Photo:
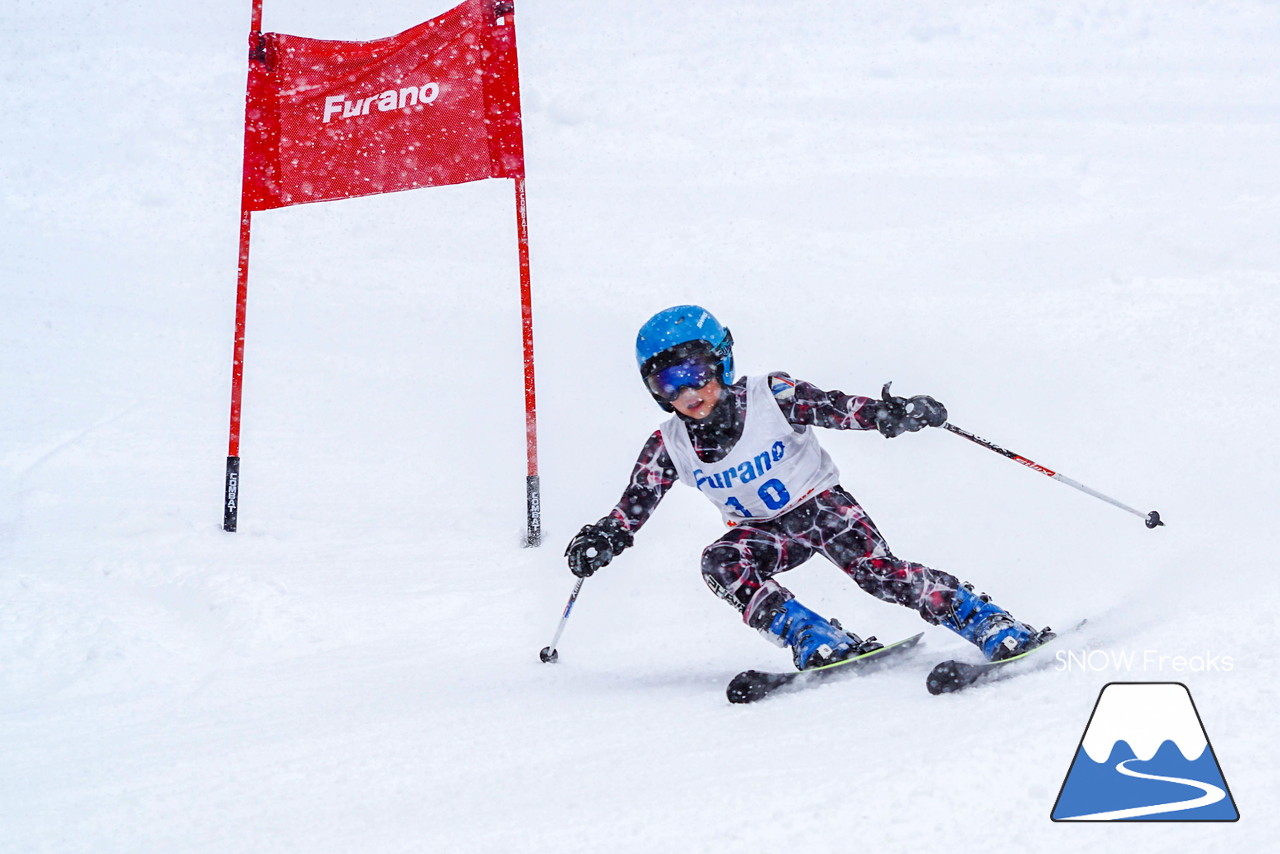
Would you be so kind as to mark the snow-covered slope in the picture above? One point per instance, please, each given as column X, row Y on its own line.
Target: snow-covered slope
column 1058, row 218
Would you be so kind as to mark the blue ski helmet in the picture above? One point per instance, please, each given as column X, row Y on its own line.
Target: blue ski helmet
column 681, row 330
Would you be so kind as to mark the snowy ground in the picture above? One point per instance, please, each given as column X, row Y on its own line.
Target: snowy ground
column 1059, row 218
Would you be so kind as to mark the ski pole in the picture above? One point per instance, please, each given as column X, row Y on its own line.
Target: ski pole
column 1151, row 519
column 549, row 654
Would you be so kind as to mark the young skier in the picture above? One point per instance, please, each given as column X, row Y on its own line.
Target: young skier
column 748, row 446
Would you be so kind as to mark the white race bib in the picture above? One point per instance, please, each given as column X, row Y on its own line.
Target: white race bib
column 774, row 467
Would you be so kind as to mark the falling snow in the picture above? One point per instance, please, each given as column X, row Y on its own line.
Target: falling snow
column 1056, row 216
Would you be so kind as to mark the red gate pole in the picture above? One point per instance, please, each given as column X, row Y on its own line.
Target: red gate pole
column 231, row 490
column 533, row 499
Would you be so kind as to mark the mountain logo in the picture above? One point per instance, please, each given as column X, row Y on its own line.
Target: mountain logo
column 1145, row 756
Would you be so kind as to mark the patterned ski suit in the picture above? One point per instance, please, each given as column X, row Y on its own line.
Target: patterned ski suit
column 739, row 566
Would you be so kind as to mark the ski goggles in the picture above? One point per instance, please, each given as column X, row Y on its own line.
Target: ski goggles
column 693, row 372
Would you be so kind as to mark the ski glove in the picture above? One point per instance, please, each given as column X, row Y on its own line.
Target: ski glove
column 595, row 545
column 896, row 415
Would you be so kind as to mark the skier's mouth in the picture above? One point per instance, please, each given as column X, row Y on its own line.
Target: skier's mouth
column 697, row 403
column 699, row 409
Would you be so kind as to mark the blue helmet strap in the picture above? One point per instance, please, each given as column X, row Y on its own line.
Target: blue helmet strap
column 725, row 350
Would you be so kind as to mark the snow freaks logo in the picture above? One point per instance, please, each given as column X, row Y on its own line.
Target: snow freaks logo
column 1145, row 756
column 1128, row 660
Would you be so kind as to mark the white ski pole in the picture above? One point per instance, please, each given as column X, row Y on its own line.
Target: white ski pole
column 549, row 654
column 1152, row 519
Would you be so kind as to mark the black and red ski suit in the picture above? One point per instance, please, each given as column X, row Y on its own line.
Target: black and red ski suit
column 739, row 564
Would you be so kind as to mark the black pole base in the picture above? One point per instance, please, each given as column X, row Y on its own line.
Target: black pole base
column 1153, row 519
column 533, row 517
column 231, row 495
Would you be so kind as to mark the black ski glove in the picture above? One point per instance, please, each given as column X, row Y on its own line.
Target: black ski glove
column 595, row 545
column 897, row 415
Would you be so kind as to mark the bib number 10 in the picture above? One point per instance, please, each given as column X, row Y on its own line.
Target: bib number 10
column 772, row 492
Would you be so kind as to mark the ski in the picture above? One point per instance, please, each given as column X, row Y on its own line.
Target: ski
column 752, row 685
column 951, row 676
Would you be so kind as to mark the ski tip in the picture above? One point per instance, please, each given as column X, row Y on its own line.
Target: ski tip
column 747, row 687
column 950, row 676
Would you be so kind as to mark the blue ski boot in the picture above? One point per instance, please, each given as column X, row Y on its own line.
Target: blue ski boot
column 989, row 627
column 814, row 641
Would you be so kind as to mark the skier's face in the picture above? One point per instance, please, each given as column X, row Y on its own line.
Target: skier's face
column 697, row 403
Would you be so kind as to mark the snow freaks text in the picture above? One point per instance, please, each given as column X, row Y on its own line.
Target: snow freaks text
column 1148, row 660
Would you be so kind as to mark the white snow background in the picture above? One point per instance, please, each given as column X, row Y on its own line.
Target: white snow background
column 1059, row 218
